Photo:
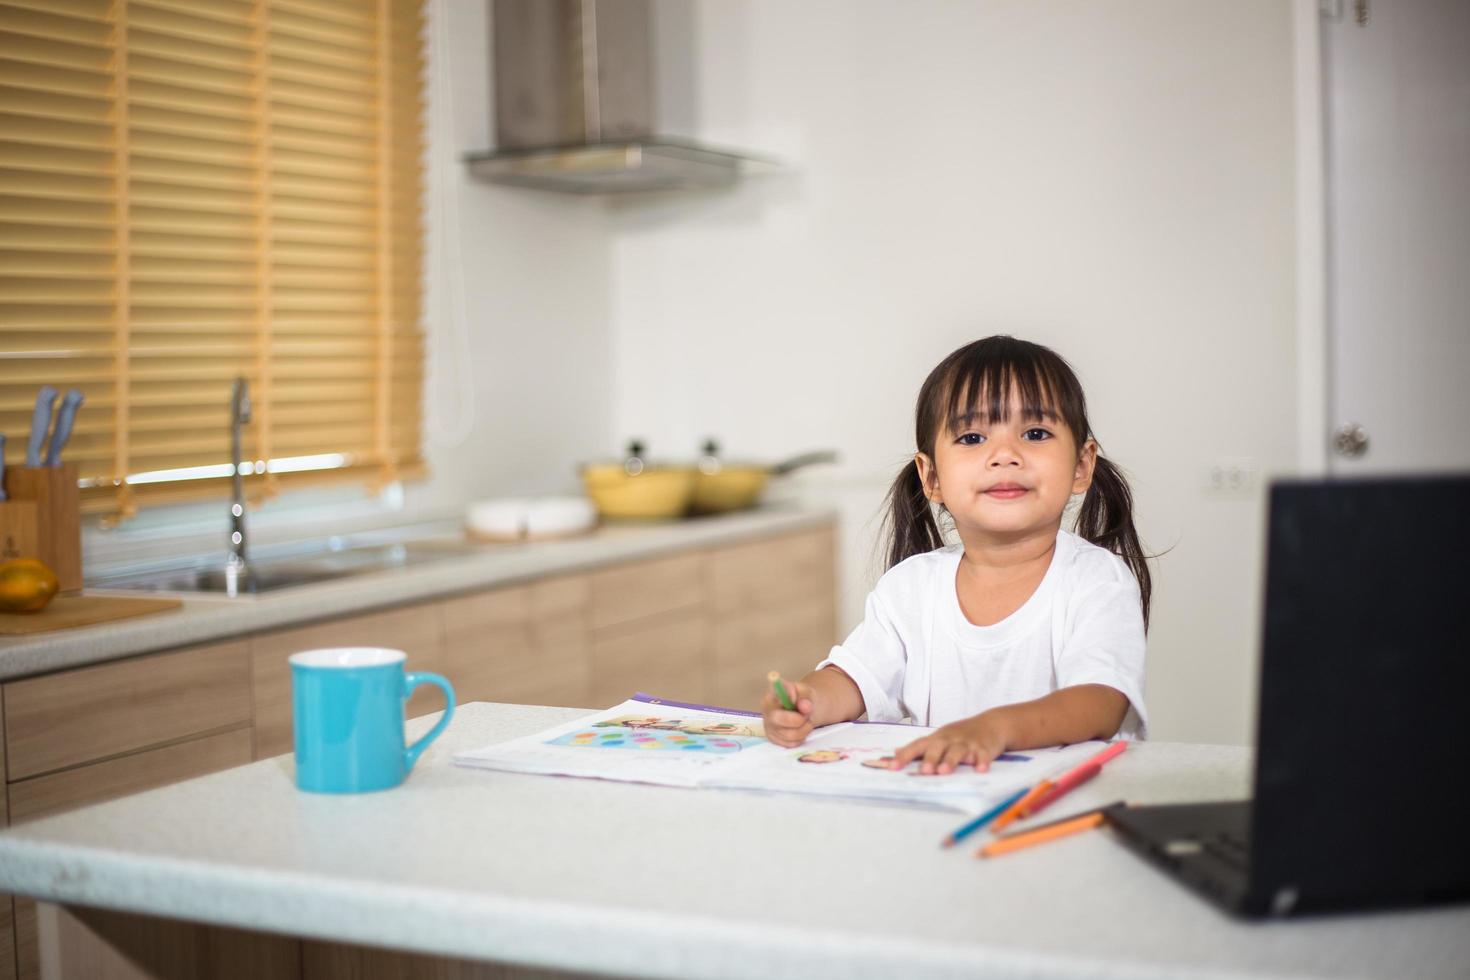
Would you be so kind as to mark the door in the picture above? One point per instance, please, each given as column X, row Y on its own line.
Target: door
column 1396, row 102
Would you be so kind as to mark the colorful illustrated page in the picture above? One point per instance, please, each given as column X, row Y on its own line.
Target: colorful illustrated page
column 655, row 733
column 642, row 740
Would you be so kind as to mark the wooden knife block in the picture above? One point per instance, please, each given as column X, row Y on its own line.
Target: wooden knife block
column 42, row 519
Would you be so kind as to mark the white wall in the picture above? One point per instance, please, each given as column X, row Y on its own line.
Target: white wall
column 533, row 272
column 1111, row 180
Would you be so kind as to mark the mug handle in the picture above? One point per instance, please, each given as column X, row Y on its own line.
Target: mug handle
column 411, row 681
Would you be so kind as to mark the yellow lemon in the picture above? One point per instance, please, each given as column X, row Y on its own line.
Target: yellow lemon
column 26, row 585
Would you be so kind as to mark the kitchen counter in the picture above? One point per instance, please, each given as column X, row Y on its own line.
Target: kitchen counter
column 206, row 618
column 647, row 881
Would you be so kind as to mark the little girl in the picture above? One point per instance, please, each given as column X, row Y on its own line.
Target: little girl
column 1023, row 635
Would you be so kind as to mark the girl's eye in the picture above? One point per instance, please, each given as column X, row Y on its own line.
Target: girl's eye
column 970, row 439
column 1036, row 435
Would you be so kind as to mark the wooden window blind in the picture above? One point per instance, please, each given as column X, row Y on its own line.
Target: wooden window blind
column 195, row 190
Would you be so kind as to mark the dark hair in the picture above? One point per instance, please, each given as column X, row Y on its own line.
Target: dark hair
column 994, row 369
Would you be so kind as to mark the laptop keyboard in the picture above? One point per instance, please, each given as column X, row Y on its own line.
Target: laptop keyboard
column 1232, row 849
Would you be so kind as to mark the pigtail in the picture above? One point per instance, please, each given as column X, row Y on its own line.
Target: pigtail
column 1106, row 519
column 910, row 522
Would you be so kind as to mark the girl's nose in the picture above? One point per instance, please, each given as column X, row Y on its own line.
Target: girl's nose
column 1003, row 452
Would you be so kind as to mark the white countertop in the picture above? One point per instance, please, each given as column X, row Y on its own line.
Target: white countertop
column 205, row 618
column 649, row 881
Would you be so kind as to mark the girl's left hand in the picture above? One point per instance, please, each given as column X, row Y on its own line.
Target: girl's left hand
column 974, row 741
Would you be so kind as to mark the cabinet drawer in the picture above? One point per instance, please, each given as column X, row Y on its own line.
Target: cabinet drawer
column 99, row 781
column 526, row 644
column 646, row 588
column 93, row 713
column 547, row 600
column 413, row 629
column 7, row 938
column 666, row 658
column 791, row 639
column 773, row 571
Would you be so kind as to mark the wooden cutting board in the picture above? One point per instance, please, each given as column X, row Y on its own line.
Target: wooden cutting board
column 66, row 611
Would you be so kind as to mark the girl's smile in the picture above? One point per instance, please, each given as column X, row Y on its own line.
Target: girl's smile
column 1006, row 491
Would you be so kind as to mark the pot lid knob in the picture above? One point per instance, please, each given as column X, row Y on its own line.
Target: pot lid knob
column 710, row 461
column 633, row 465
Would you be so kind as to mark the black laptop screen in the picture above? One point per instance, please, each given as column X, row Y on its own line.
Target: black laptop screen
column 1363, row 778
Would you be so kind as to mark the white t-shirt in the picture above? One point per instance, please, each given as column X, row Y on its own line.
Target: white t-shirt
column 915, row 655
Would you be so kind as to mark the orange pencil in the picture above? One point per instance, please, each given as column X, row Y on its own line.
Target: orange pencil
column 1011, row 815
column 1014, row 842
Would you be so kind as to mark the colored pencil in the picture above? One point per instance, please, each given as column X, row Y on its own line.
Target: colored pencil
column 965, row 830
column 1014, row 812
column 780, row 688
column 1040, row 835
column 1026, row 805
column 1075, row 776
column 1112, row 750
column 1063, row 786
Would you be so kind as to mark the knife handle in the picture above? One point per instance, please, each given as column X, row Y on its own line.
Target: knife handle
column 65, row 416
column 40, row 422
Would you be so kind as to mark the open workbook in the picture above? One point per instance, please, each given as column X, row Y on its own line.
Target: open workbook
column 669, row 743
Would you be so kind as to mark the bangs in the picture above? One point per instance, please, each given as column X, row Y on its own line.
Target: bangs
column 988, row 379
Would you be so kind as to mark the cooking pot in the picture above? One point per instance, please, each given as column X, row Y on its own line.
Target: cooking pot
column 635, row 489
column 721, row 486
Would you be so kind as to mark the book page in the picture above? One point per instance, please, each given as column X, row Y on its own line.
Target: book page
column 643, row 740
column 851, row 760
column 652, row 740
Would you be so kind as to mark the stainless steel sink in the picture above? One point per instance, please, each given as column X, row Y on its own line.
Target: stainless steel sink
column 270, row 574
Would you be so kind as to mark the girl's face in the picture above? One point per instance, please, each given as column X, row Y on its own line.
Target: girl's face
column 1008, row 478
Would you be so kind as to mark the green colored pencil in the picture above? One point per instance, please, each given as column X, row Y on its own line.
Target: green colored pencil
column 780, row 688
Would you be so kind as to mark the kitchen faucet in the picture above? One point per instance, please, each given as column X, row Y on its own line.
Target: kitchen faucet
column 239, row 415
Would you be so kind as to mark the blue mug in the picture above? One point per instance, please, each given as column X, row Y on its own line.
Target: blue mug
column 347, row 705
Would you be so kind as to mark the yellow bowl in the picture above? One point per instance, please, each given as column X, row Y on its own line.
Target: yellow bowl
column 657, row 493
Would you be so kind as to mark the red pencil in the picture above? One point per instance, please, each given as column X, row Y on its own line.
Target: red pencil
column 1073, row 777
column 1063, row 786
column 1112, row 750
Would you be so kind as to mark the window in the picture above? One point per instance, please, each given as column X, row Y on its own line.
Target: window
column 195, row 190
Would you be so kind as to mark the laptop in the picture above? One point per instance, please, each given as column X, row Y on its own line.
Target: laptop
column 1362, row 779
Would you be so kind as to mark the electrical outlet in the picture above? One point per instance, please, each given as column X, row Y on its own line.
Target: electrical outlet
column 1231, row 476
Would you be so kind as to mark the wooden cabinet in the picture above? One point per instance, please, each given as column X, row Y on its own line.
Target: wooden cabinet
column 645, row 589
column 701, row 626
column 795, row 569
column 7, row 938
column 650, row 630
column 664, row 656
column 773, row 607
column 100, row 944
column 791, row 639
column 78, row 716
column 412, row 629
column 57, row 791
column 527, row 644
column 82, row 736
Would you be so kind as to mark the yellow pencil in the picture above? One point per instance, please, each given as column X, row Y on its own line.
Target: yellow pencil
column 1014, row 842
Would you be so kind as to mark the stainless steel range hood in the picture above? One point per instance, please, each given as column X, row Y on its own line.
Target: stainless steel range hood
column 574, row 105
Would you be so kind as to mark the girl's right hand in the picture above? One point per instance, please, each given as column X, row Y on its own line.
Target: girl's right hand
column 788, row 729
